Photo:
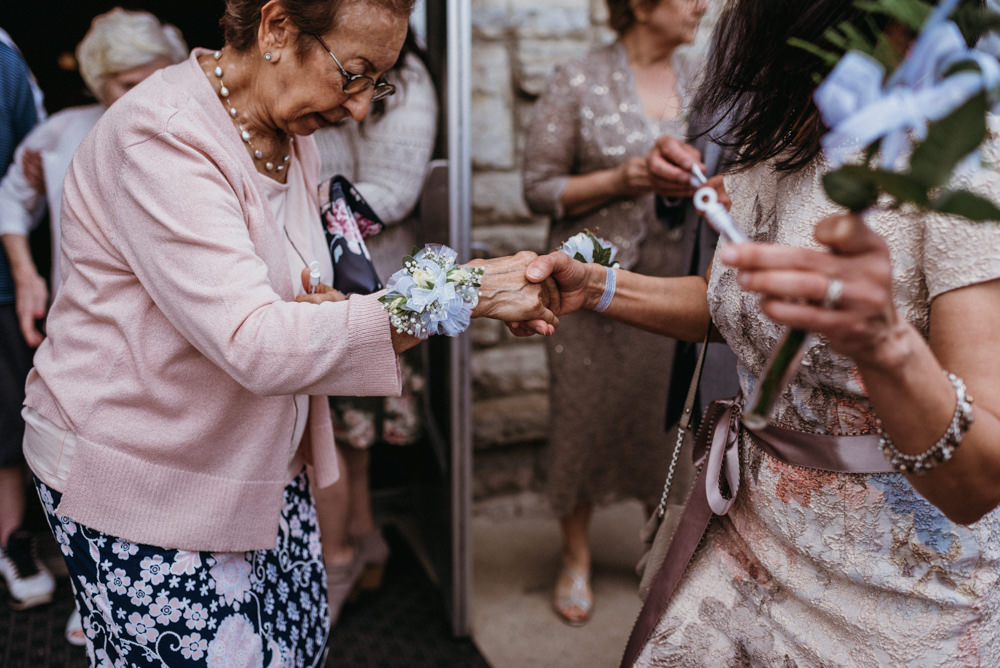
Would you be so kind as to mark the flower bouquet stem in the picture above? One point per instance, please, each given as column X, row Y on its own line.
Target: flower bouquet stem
column 781, row 368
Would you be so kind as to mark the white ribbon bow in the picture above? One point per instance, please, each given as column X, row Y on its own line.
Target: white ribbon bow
column 859, row 110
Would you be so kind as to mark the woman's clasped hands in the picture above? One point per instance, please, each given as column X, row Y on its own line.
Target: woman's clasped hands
column 505, row 294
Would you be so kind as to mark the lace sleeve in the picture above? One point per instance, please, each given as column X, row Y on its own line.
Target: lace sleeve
column 551, row 142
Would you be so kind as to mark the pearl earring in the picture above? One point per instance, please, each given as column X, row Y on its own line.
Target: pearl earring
column 268, row 57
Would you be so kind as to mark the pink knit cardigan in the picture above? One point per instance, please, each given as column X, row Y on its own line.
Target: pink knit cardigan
column 174, row 343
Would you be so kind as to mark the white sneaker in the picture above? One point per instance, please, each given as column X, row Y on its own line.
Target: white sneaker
column 74, row 629
column 28, row 580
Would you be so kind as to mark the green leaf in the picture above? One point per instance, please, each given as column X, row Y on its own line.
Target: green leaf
column 850, row 187
column 948, row 141
column 974, row 22
column 857, row 40
column 901, row 187
column 910, row 13
column 968, row 205
column 828, row 57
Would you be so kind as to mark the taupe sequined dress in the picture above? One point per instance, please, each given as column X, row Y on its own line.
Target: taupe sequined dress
column 811, row 568
column 608, row 380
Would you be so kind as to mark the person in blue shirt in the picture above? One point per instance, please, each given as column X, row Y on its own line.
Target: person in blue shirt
column 29, row 583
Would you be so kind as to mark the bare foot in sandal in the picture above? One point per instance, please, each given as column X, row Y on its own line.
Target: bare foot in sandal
column 573, row 599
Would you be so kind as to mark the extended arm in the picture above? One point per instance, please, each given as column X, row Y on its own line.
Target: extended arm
column 672, row 306
column 31, row 296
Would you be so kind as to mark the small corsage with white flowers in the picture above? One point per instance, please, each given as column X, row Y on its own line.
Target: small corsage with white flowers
column 431, row 294
column 588, row 247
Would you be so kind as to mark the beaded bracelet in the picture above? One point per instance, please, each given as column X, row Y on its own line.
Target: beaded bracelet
column 941, row 451
column 431, row 295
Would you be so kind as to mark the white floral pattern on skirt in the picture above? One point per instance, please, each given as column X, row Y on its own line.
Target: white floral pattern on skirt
column 146, row 605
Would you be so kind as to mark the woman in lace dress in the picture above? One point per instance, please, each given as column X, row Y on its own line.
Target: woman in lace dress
column 584, row 167
column 811, row 567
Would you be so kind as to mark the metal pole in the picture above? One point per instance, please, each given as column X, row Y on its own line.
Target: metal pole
column 460, row 209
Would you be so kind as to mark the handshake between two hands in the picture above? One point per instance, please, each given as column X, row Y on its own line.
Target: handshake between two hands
column 525, row 290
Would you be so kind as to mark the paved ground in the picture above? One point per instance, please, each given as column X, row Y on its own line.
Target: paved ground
column 516, row 558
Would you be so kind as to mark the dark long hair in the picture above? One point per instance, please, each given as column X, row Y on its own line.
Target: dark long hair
column 760, row 87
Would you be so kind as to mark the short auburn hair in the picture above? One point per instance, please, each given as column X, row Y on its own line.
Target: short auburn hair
column 312, row 17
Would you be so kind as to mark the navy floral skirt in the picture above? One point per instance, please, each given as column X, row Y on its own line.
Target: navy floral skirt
column 144, row 605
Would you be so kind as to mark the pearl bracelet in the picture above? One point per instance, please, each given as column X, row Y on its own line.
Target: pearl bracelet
column 945, row 447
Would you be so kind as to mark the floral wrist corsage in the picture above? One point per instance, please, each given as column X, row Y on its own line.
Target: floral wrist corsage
column 431, row 295
column 587, row 247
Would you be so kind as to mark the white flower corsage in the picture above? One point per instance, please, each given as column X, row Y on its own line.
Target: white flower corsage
column 431, row 295
column 588, row 247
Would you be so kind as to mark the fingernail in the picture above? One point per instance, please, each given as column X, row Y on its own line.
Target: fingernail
column 533, row 273
column 728, row 255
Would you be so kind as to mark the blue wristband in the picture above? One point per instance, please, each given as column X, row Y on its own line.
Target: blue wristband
column 609, row 290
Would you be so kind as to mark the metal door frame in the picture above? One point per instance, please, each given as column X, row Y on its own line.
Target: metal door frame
column 460, row 209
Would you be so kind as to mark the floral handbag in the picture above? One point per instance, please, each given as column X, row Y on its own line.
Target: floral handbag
column 363, row 421
column 347, row 221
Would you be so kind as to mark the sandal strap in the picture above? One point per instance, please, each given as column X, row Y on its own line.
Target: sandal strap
column 577, row 596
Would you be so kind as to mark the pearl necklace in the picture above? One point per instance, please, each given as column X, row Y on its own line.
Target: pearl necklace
column 244, row 133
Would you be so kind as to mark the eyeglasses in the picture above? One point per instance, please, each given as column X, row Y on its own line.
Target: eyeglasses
column 356, row 83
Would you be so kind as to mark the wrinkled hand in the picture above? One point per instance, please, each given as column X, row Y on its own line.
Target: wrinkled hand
column 34, row 173
column 570, row 278
column 507, row 295
column 793, row 284
column 634, row 177
column 669, row 165
column 323, row 293
column 31, row 300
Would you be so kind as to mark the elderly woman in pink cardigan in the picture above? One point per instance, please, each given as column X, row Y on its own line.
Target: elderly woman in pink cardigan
column 182, row 387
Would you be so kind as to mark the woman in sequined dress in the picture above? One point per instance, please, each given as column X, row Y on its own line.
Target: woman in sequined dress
column 584, row 167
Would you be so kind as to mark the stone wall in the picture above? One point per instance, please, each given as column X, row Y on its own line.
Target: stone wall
column 516, row 44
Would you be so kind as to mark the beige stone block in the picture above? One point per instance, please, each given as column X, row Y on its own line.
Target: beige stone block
column 498, row 196
column 554, row 18
column 510, row 369
column 505, row 471
column 486, row 332
column 508, row 239
column 503, row 421
column 536, row 59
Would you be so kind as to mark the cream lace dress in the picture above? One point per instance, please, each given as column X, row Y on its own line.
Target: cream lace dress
column 821, row 569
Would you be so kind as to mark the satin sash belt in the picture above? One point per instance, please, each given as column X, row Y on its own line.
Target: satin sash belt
column 718, row 484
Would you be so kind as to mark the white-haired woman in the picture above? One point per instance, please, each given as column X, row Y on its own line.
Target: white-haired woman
column 121, row 49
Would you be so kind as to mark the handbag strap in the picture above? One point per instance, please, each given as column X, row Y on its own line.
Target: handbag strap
column 684, row 423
